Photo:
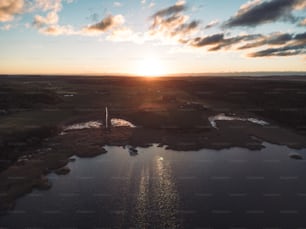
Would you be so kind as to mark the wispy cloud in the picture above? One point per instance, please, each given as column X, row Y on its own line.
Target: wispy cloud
column 171, row 22
column 125, row 34
column 212, row 24
column 45, row 5
column 170, row 11
column 118, row 4
column 56, row 30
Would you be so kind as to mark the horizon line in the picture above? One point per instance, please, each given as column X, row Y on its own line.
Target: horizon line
column 215, row 74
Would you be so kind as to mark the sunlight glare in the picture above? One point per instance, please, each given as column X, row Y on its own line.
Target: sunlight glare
column 150, row 67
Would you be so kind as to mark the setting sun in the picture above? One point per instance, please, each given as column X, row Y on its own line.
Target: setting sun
column 150, row 67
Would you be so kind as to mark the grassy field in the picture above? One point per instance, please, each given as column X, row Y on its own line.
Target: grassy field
column 35, row 107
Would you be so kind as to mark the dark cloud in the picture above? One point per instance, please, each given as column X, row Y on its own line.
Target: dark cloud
column 279, row 39
column 229, row 42
column 208, row 40
column 286, row 44
column 295, row 46
column 274, row 39
column 290, row 50
column 218, row 41
column 300, row 38
column 258, row 12
column 186, row 28
column 106, row 23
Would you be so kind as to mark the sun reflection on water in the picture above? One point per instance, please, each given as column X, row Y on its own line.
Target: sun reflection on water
column 157, row 200
column 166, row 194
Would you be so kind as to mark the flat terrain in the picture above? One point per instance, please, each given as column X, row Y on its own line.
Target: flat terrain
column 171, row 112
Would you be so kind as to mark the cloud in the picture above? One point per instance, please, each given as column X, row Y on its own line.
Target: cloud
column 49, row 27
column 286, row 44
column 277, row 39
column 303, row 22
column 48, row 24
column 218, row 41
column 9, row 8
column 212, row 24
column 229, row 42
column 52, row 7
column 50, row 19
column 172, row 23
column 167, row 25
column 259, row 12
column 272, row 39
column 186, row 28
column 290, row 50
column 56, row 30
column 117, row 4
column 172, row 10
column 45, row 5
column 279, row 44
column 106, row 24
column 300, row 5
column 124, row 34
column 208, row 40
column 293, row 45
column 300, row 39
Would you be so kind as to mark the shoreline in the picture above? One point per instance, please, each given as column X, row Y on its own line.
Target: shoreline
column 23, row 176
column 170, row 112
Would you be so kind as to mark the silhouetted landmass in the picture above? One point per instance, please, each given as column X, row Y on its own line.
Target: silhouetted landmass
column 172, row 112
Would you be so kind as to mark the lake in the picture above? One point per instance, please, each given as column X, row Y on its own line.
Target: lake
column 160, row 188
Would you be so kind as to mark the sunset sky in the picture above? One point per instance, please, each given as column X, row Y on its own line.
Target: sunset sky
column 151, row 37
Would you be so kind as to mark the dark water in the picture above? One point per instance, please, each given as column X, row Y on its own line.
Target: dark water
column 158, row 188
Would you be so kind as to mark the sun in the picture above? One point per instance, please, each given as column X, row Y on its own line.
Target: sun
column 150, row 67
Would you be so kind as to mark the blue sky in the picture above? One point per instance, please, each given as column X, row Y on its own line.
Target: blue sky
column 151, row 36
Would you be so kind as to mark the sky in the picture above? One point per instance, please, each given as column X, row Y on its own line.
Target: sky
column 152, row 37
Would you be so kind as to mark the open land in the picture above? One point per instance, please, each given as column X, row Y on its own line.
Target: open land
column 171, row 112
